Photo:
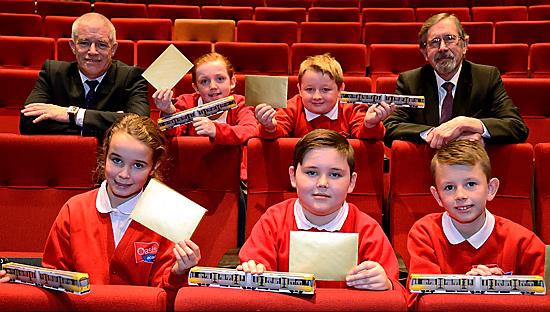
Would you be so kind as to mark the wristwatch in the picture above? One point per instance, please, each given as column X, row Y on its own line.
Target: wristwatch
column 72, row 111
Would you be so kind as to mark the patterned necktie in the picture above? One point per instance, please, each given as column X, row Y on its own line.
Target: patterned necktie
column 447, row 107
column 90, row 97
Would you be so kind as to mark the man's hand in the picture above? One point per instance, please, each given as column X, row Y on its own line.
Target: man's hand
column 452, row 130
column 43, row 111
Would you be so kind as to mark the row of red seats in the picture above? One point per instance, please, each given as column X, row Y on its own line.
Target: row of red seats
column 288, row 32
column 33, row 192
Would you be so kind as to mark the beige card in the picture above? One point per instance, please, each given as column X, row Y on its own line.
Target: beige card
column 167, row 212
column 329, row 255
column 271, row 90
column 547, row 267
column 167, row 69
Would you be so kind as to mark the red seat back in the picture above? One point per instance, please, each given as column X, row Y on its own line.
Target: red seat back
column 26, row 52
column 12, row 99
column 350, row 56
column 149, row 50
column 235, row 13
column 297, row 15
column 542, row 189
column 388, row 15
column 63, row 8
column 173, row 11
column 58, row 26
column 256, row 58
column 17, row 6
column 539, row 60
column 499, row 13
column 383, row 56
column 510, row 59
column 479, row 32
column 391, row 33
column 462, row 13
column 143, row 28
column 331, row 32
column 267, row 31
column 522, row 32
column 12, row 24
column 324, row 14
column 111, row 10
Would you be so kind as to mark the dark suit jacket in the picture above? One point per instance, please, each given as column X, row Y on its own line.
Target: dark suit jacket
column 122, row 89
column 479, row 94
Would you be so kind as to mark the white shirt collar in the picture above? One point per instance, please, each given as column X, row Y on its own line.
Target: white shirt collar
column 454, row 79
column 477, row 240
column 84, row 78
column 223, row 117
column 103, row 204
column 332, row 114
column 335, row 225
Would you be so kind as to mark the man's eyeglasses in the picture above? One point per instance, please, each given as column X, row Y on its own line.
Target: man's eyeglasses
column 87, row 44
column 449, row 40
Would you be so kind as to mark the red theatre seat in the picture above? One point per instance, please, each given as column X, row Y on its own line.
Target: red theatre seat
column 352, row 57
column 17, row 6
column 12, row 99
column 143, row 28
column 149, row 50
column 256, row 58
column 355, row 84
column 335, row 3
column 269, row 184
column 388, row 15
column 331, row 32
column 25, row 52
column 410, row 198
column 391, row 33
column 522, row 32
column 111, row 10
column 482, row 303
column 208, row 174
column 325, row 299
column 479, row 32
column 288, row 3
column 384, row 4
column 510, row 59
column 243, row 3
column 17, row 297
column 58, row 26
column 173, row 11
column 267, row 31
column 63, row 8
column 196, row 2
column 386, row 85
column 318, row 14
column 297, row 15
column 462, row 13
column 383, row 56
column 235, row 13
column 124, row 52
column 539, row 60
column 38, row 175
column 542, row 189
column 12, row 24
column 529, row 95
column 499, row 13
column 539, row 13
column 438, row 3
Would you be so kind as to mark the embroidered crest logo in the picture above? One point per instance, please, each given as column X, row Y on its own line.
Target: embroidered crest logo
column 145, row 252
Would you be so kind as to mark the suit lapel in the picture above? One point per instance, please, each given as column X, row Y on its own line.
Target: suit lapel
column 75, row 86
column 429, row 86
column 461, row 100
column 104, row 88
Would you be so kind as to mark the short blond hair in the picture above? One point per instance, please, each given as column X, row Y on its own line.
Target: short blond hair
column 462, row 152
column 325, row 64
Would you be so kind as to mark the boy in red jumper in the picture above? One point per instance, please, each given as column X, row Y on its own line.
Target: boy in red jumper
column 320, row 81
column 467, row 238
column 322, row 174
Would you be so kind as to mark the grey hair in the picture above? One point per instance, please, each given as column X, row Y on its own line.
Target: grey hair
column 434, row 19
column 94, row 16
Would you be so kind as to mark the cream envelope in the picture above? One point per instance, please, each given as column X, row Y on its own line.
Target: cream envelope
column 271, row 90
column 329, row 255
column 167, row 212
column 547, row 267
column 167, row 69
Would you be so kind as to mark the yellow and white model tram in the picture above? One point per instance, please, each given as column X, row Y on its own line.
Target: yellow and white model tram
column 299, row 283
column 67, row 281
column 494, row 284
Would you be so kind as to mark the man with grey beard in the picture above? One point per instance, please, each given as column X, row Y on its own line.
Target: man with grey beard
column 464, row 100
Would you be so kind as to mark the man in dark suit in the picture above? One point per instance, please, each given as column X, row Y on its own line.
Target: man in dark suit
column 87, row 96
column 463, row 100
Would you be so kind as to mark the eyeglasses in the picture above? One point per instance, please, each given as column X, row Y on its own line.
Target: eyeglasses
column 449, row 40
column 87, row 44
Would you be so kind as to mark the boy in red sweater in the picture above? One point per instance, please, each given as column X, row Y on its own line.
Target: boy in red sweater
column 322, row 174
column 467, row 238
column 320, row 81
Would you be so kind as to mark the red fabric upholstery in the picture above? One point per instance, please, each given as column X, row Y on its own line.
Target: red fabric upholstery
column 12, row 99
column 383, row 56
column 391, row 33
column 12, row 24
column 410, row 181
column 438, row 3
column 38, row 174
column 17, row 6
column 357, row 84
column 483, row 303
column 235, row 13
column 350, row 56
column 522, row 32
column 539, row 60
column 209, row 175
column 149, row 50
column 542, row 189
column 267, row 31
column 245, row 3
column 288, row 3
column 297, row 15
column 331, row 32
column 63, row 8
column 529, row 96
column 143, row 28
column 323, row 14
column 325, row 299
column 463, row 13
column 173, row 11
column 124, row 52
column 25, row 52
column 332, row 3
column 256, row 58
column 383, row 4
column 386, row 85
column 539, row 13
column 510, row 59
column 17, row 297
column 197, row 2
column 388, row 15
column 269, row 184
column 58, row 26
column 479, row 32
column 111, row 10
column 499, row 13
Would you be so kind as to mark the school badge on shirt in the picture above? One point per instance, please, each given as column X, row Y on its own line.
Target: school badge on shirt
column 145, row 252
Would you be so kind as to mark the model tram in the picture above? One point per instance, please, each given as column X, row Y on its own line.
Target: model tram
column 414, row 101
column 494, row 284
column 74, row 282
column 300, row 283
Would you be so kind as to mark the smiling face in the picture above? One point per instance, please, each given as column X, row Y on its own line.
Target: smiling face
column 319, row 91
column 213, row 81
column 128, row 166
column 322, row 181
column 463, row 191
